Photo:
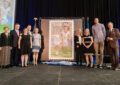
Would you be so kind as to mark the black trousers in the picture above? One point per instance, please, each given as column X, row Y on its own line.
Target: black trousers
column 40, row 54
column 30, row 56
column 15, row 53
column 79, row 56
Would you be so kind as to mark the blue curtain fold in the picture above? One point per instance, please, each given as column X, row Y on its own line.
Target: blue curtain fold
column 106, row 10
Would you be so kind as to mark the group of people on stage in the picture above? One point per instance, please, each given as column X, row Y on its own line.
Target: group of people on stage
column 87, row 45
column 15, row 43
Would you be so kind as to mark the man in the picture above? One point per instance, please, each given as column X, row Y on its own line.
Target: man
column 15, row 53
column 42, row 47
column 30, row 33
column 113, row 47
column 99, row 34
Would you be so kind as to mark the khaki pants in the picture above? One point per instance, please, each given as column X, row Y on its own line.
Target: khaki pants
column 99, row 46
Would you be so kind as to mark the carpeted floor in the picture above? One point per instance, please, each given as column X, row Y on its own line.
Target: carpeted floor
column 58, row 75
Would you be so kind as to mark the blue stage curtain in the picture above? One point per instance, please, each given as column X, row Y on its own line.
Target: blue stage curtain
column 106, row 10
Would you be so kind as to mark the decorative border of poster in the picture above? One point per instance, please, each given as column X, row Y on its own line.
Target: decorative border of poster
column 7, row 14
column 61, row 39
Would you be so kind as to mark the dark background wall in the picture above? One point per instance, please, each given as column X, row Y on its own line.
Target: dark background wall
column 105, row 10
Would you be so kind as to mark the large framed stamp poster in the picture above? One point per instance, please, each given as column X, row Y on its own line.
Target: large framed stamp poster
column 58, row 38
column 61, row 40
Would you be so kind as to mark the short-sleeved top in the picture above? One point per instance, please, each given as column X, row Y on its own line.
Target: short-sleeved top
column 36, row 39
column 25, row 44
column 25, row 41
column 65, row 34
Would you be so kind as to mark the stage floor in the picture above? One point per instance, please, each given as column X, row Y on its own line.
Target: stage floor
column 58, row 75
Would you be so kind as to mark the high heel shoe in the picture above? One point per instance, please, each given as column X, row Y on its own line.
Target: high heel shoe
column 91, row 65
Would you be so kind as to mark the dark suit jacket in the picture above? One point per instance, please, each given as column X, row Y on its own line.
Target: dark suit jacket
column 15, row 38
column 115, row 35
column 5, row 40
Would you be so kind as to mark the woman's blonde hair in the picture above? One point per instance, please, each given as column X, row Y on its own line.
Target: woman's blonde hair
column 87, row 30
column 35, row 28
column 78, row 31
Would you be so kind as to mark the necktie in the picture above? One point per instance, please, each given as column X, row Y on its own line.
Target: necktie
column 18, row 33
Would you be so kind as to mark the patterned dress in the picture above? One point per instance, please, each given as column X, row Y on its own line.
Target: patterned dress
column 36, row 43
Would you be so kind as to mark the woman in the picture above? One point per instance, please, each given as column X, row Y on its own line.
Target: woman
column 5, row 47
column 36, row 45
column 66, row 36
column 63, row 39
column 88, row 47
column 24, row 44
column 78, row 46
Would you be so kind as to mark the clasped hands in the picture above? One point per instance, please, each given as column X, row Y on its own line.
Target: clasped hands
column 109, row 38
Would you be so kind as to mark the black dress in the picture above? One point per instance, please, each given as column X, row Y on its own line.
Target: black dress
column 79, row 50
column 25, row 44
column 87, row 41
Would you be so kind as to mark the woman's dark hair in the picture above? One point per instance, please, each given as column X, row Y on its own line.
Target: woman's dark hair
column 23, row 30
